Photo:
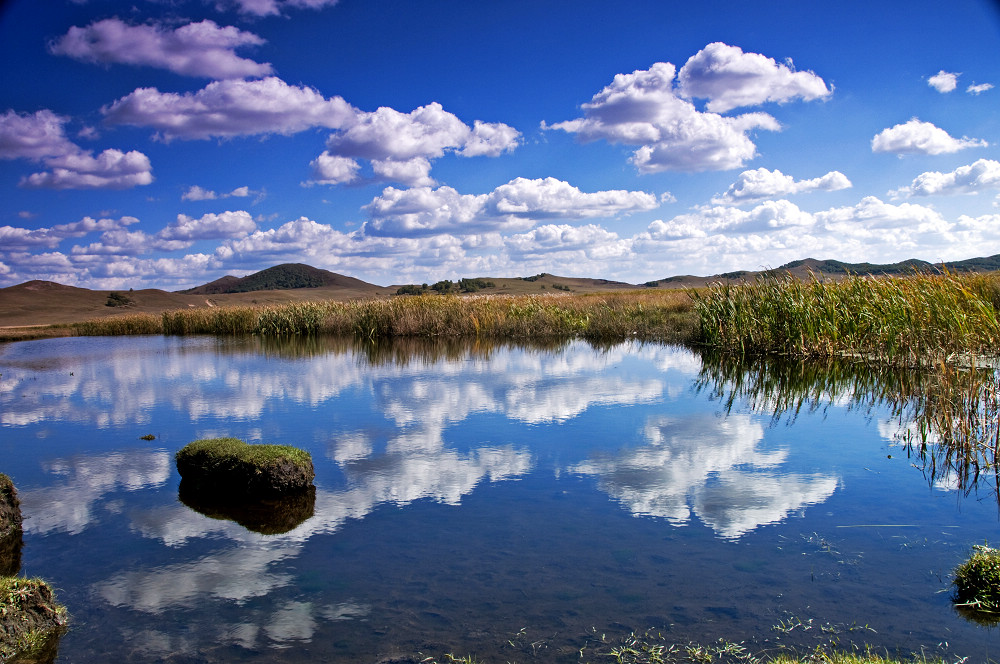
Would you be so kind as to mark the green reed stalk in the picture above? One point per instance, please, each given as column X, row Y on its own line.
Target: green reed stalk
column 906, row 320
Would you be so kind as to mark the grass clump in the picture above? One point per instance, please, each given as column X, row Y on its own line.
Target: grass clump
column 919, row 319
column 230, row 466
column 125, row 324
column 30, row 617
column 977, row 581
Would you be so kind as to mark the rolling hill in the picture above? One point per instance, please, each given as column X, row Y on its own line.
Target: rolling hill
column 47, row 303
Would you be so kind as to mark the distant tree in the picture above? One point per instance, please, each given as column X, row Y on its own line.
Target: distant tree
column 118, row 300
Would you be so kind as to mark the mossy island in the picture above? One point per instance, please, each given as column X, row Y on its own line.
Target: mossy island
column 977, row 585
column 232, row 468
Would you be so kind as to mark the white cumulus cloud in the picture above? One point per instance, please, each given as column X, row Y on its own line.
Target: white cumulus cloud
column 916, row 137
column 761, row 183
column 401, row 145
column 201, row 49
column 981, row 174
column 943, row 81
column 730, row 78
column 111, row 169
column 517, row 205
column 644, row 109
column 196, row 193
column 274, row 7
column 40, row 136
column 979, row 89
column 230, row 108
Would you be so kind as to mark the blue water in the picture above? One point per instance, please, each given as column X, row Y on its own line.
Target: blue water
column 528, row 504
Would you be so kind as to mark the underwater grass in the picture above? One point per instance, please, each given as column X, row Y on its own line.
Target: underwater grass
column 910, row 320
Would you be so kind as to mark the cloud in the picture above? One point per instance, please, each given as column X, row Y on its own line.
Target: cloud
column 767, row 217
column 730, row 78
column 981, row 174
column 590, row 242
column 761, row 183
column 517, row 205
column 274, row 7
column 33, row 136
column 40, row 137
column 979, row 89
column 196, row 193
column 13, row 238
column 201, row 49
column 177, row 235
column 943, row 81
column 871, row 213
column 209, row 226
column 111, row 169
column 644, row 109
column 401, row 145
column 916, row 137
column 230, row 108
column 331, row 169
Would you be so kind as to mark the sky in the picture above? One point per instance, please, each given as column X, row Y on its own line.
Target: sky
column 167, row 143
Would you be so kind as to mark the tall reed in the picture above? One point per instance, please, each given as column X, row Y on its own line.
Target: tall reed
column 652, row 315
column 904, row 320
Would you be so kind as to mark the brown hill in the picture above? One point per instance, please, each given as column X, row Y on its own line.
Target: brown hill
column 288, row 276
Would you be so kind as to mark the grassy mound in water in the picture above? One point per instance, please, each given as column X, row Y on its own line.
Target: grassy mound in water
column 30, row 618
column 977, row 581
column 232, row 467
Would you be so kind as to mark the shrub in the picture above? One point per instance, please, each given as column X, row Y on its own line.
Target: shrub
column 977, row 580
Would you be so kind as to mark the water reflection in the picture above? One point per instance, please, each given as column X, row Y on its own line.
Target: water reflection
column 461, row 490
column 68, row 504
column 946, row 417
column 709, row 466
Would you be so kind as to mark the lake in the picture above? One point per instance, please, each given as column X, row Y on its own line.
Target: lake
column 528, row 503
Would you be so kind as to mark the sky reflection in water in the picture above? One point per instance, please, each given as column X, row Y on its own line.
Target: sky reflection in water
column 462, row 494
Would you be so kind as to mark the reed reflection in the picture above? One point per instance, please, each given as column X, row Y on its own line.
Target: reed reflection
column 947, row 417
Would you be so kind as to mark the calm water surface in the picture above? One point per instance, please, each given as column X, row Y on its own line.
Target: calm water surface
column 516, row 503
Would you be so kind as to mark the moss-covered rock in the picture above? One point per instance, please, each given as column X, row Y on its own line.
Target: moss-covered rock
column 977, row 581
column 10, row 528
column 30, row 620
column 233, row 468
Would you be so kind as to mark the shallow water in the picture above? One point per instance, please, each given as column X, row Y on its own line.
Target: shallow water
column 515, row 503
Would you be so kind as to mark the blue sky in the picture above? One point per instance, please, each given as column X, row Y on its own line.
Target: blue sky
column 166, row 143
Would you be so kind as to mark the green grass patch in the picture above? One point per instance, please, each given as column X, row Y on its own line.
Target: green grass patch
column 30, row 617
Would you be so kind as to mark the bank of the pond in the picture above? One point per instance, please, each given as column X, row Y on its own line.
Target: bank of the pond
column 649, row 315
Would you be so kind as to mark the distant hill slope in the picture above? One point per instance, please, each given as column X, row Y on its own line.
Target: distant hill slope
column 833, row 268
column 288, row 276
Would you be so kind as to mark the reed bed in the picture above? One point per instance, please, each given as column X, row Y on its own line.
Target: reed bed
column 911, row 320
column 653, row 315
